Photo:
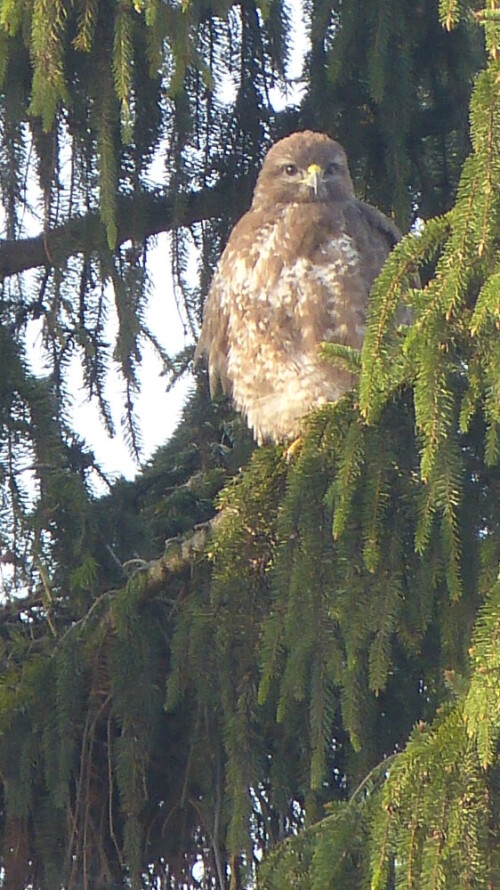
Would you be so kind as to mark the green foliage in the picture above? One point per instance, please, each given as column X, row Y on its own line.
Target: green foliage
column 449, row 13
column 444, row 339
column 380, row 76
column 87, row 111
column 482, row 703
column 423, row 816
column 49, row 82
column 303, row 691
column 433, row 822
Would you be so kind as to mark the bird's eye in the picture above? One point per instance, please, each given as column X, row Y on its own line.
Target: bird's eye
column 290, row 169
column 332, row 168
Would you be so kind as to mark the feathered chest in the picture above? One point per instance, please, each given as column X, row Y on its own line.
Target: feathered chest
column 295, row 283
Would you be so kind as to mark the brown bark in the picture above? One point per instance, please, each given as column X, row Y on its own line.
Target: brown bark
column 138, row 218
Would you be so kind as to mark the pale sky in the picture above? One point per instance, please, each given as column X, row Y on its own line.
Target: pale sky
column 158, row 412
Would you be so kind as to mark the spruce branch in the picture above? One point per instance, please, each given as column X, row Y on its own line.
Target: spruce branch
column 138, row 217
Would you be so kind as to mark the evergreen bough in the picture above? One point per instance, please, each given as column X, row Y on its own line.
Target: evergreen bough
column 303, row 692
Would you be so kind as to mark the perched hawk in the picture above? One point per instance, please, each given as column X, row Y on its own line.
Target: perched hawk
column 296, row 271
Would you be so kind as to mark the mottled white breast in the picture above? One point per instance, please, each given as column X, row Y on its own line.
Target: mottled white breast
column 279, row 310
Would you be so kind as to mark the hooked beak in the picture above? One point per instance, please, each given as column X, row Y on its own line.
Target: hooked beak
column 314, row 178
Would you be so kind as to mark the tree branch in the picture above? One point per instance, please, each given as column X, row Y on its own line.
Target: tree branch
column 138, row 218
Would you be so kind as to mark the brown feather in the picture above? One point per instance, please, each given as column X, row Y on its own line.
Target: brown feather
column 297, row 270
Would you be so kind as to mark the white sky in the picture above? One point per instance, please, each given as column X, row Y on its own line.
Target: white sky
column 158, row 412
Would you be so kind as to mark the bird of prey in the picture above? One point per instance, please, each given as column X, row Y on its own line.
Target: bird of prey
column 296, row 271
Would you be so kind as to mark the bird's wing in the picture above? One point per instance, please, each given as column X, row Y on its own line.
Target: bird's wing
column 374, row 235
column 381, row 223
column 378, row 235
column 213, row 337
column 237, row 260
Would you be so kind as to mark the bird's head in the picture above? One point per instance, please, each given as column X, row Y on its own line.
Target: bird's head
column 303, row 168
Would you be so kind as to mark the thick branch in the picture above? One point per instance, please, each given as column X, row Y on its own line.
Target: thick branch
column 138, row 218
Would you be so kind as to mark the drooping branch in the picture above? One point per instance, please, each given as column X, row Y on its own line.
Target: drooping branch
column 138, row 218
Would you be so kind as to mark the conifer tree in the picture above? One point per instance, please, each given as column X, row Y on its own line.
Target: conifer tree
column 302, row 692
